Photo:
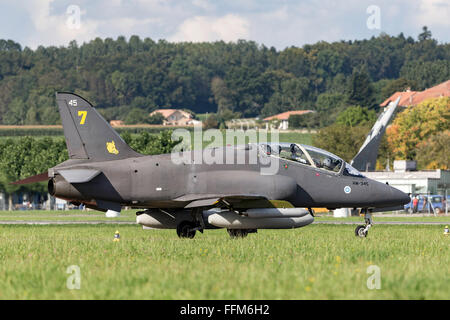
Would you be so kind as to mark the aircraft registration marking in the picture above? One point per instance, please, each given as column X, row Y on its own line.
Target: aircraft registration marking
column 362, row 183
column 82, row 114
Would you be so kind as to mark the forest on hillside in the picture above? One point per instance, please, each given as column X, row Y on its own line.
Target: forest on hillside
column 129, row 78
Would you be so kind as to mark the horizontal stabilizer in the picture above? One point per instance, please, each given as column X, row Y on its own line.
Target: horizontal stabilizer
column 79, row 175
column 37, row 178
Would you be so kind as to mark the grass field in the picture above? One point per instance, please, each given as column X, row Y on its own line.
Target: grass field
column 315, row 262
column 290, row 136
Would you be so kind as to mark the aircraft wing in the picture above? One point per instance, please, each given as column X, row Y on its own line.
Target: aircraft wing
column 238, row 201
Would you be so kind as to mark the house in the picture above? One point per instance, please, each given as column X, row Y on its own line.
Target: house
column 176, row 117
column 284, row 117
column 116, row 123
column 412, row 98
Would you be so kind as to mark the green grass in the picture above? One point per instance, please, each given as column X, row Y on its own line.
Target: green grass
column 315, row 262
column 203, row 116
column 60, row 215
column 294, row 137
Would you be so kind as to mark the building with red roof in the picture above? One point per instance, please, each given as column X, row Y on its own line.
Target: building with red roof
column 175, row 117
column 284, row 117
column 412, row 98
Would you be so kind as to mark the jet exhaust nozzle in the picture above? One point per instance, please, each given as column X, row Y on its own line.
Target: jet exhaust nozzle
column 60, row 188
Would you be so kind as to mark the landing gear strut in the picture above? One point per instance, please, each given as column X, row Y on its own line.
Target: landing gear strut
column 362, row 231
column 187, row 229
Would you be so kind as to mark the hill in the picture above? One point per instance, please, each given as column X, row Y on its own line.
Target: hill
column 120, row 75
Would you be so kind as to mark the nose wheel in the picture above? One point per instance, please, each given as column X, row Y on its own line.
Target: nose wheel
column 363, row 231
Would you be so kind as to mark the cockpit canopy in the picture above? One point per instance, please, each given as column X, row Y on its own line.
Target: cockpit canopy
column 310, row 156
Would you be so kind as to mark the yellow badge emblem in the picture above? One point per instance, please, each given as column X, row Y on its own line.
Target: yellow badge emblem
column 111, row 147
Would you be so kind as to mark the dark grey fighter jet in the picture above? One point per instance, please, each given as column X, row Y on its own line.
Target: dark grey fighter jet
column 104, row 173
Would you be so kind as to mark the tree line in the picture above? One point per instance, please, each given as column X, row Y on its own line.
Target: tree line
column 419, row 133
column 24, row 157
column 128, row 78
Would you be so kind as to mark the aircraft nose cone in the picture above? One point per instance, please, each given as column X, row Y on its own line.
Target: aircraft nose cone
column 388, row 196
column 399, row 197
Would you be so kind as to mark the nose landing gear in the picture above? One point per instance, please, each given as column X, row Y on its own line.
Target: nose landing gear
column 362, row 231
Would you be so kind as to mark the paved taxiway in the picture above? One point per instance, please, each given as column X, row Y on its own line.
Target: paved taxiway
column 55, row 222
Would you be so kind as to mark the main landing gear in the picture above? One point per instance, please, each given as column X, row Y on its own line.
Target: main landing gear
column 237, row 233
column 240, row 233
column 362, row 231
column 186, row 229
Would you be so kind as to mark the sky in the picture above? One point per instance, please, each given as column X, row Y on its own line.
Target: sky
column 277, row 23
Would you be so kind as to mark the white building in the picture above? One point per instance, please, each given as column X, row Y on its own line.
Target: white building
column 283, row 118
column 423, row 182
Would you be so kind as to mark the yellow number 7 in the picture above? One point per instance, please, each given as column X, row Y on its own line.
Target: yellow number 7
column 83, row 115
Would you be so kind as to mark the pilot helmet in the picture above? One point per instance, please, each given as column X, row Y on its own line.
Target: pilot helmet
column 327, row 162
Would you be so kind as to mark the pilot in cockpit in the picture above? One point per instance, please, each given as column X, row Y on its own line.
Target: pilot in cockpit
column 297, row 154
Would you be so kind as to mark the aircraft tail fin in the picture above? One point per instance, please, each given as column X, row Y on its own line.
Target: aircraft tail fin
column 366, row 158
column 88, row 135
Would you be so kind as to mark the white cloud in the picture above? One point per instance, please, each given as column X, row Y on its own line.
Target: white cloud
column 204, row 4
column 55, row 29
column 201, row 28
column 280, row 24
column 434, row 12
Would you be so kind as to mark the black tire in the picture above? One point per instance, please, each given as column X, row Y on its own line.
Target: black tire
column 184, row 230
column 232, row 233
column 359, row 232
column 237, row 233
column 244, row 233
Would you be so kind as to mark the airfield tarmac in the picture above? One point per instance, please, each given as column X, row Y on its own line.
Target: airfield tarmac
column 128, row 217
column 37, row 222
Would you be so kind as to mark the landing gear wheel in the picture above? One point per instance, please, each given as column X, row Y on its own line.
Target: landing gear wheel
column 184, row 230
column 363, row 231
column 359, row 231
column 237, row 233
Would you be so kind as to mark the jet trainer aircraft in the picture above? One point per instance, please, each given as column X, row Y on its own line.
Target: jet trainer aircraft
column 104, row 173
